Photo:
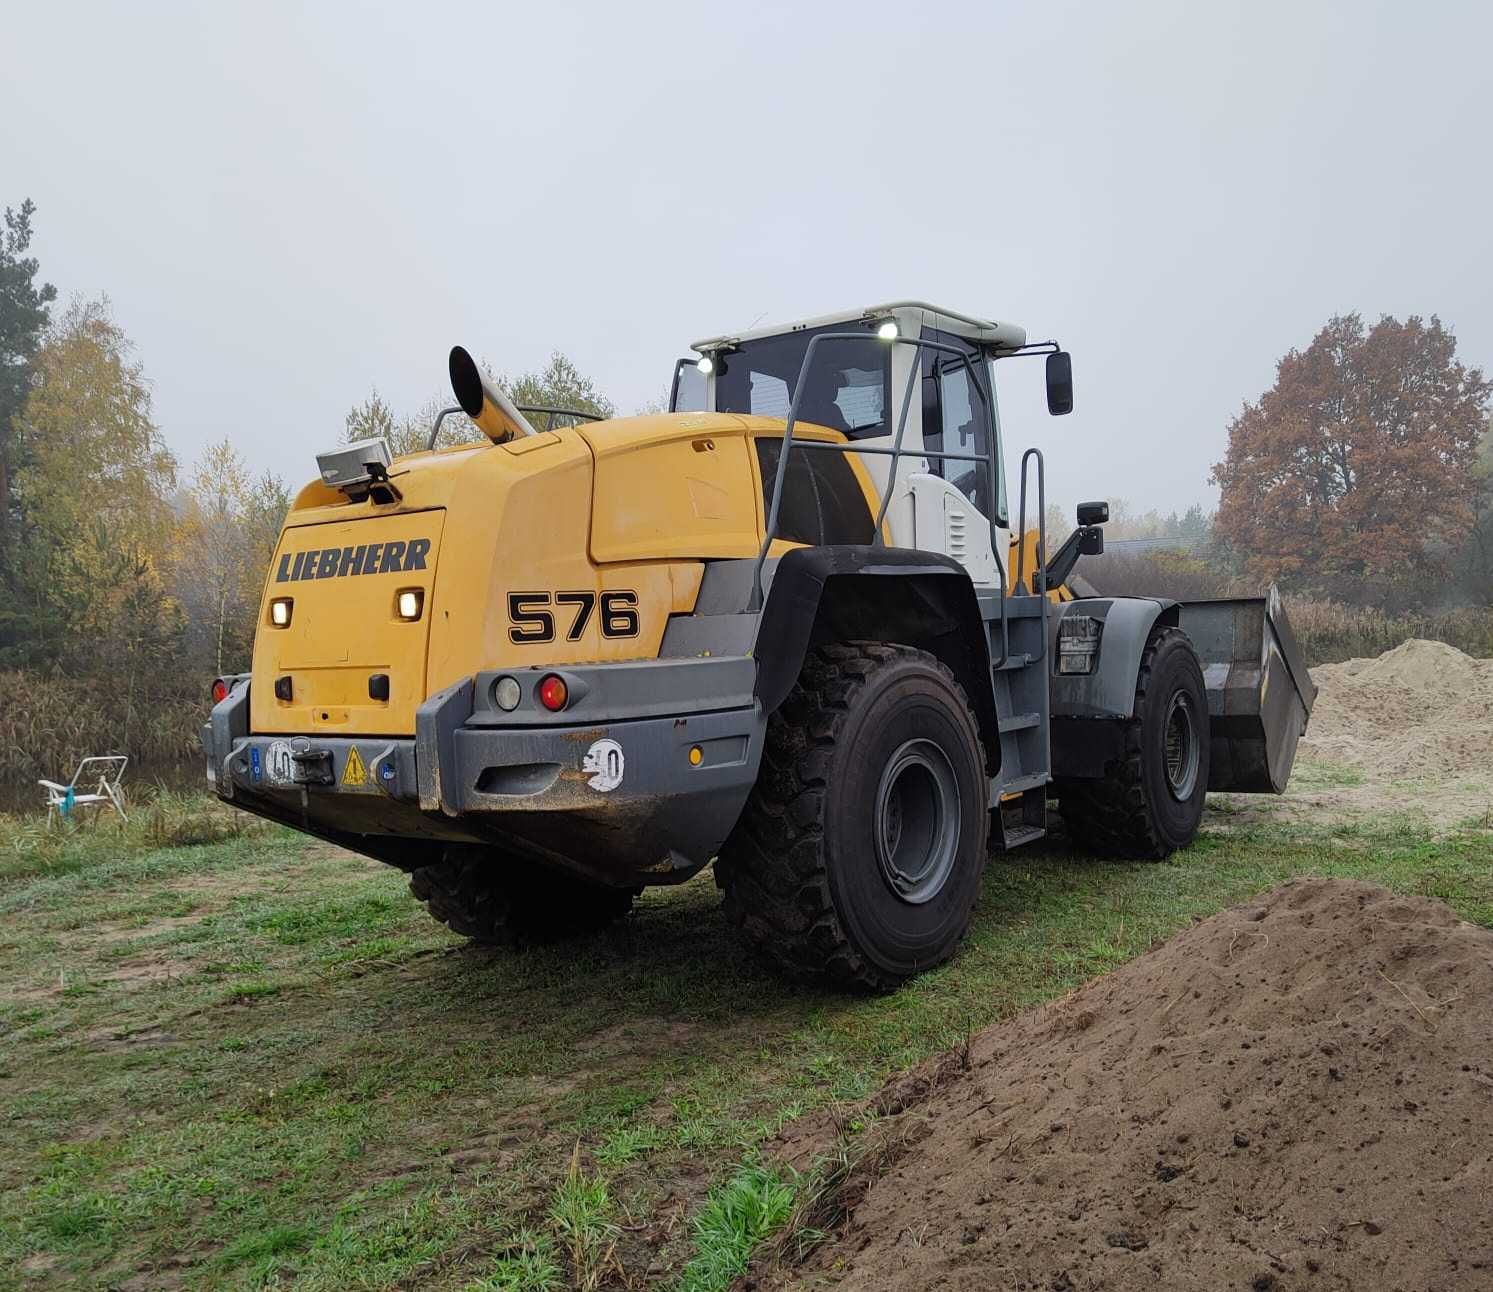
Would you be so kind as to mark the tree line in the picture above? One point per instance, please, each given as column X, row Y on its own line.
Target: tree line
column 1364, row 476
column 1365, row 473
column 128, row 580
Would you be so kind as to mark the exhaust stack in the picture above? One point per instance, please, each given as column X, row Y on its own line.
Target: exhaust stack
column 489, row 407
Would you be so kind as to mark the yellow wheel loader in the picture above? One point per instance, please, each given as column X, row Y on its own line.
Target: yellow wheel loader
column 783, row 627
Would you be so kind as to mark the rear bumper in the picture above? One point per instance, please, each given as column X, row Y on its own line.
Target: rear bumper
column 622, row 799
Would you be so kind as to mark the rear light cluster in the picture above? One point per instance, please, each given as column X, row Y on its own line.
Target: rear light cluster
column 553, row 693
column 220, row 690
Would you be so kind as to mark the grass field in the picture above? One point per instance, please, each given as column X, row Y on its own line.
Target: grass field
column 235, row 1058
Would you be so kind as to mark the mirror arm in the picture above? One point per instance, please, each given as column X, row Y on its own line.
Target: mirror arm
column 1086, row 540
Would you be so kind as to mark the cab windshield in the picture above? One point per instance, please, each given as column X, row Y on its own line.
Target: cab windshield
column 848, row 388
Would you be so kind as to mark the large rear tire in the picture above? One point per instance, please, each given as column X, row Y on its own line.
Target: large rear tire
column 858, row 855
column 501, row 901
column 1151, row 803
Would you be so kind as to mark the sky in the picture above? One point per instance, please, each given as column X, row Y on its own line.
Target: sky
column 290, row 204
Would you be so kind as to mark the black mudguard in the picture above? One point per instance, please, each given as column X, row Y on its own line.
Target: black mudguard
column 851, row 592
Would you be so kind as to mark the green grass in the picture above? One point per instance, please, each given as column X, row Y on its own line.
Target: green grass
column 1312, row 775
column 254, row 1061
column 751, row 1206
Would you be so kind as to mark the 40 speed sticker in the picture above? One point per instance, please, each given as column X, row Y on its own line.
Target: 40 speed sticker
column 277, row 763
column 605, row 762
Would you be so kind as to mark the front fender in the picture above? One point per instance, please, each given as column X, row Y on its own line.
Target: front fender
column 1109, row 691
column 801, row 606
column 853, row 592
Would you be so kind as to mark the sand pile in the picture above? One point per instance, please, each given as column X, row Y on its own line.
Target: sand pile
column 1421, row 711
column 1296, row 1093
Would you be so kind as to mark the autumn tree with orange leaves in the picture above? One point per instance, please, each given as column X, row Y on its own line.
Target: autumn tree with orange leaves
column 1354, row 474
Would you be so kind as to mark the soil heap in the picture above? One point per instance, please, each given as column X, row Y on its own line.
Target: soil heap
column 1423, row 710
column 1296, row 1093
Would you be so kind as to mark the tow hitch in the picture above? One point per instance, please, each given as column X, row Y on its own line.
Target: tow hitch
column 312, row 767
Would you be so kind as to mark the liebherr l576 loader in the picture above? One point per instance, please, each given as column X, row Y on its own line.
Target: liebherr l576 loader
column 782, row 627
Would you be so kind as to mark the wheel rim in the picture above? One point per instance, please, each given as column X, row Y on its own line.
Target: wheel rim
column 1183, row 750
column 917, row 821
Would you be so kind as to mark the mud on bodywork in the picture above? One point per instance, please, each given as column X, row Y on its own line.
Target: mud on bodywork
column 624, row 801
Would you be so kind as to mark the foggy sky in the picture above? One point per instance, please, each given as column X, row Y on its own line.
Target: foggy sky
column 290, row 204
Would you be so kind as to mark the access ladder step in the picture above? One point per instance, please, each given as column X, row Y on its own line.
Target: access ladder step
column 1016, row 835
column 1013, row 662
column 1020, row 721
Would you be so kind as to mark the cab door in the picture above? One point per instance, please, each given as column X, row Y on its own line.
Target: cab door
column 953, row 501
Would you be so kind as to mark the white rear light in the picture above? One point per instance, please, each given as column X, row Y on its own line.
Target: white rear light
column 408, row 603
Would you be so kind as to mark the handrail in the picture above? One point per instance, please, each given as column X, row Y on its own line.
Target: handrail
column 525, row 409
column 1039, row 574
column 553, row 413
column 436, row 429
column 895, row 453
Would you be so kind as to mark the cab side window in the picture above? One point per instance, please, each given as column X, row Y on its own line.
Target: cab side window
column 956, row 419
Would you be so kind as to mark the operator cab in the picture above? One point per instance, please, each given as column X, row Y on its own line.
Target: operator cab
column 905, row 363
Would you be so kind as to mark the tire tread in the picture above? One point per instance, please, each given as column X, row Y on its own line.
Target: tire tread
column 1111, row 817
column 772, row 869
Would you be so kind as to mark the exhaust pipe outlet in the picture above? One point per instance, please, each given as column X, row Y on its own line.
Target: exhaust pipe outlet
column 486, row 405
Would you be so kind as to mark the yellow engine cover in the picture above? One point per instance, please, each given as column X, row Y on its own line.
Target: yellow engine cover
column 560, row 548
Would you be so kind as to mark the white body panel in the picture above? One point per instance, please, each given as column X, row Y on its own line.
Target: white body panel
column 946, row 521
column 925, row 512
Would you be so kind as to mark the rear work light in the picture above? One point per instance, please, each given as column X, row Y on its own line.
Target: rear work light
column 220, row 690
column 280, row 610
column 553, row 693
column 408, row 603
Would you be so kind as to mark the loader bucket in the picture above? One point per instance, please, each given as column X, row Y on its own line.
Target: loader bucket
column 1260, row 694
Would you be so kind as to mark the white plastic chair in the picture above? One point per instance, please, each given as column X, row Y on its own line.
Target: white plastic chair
column 96, row 783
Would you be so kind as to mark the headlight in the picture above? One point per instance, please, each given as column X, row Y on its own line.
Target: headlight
column 1078, row 643
column 280, row 609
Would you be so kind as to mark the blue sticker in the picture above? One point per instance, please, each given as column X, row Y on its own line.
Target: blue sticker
column 254, row 764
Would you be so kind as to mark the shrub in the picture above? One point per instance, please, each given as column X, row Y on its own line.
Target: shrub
column 48, row 723
column 1176, row 574
column 1329, row 631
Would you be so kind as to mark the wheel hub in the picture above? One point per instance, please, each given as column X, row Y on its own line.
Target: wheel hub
column 917, row 821
column 1183, row 746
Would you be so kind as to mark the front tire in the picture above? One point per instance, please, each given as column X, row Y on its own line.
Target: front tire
column 1151, row 803
column 501, row 901
column 858, row 855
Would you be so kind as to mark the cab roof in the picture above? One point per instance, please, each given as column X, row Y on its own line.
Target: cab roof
column 989, row 332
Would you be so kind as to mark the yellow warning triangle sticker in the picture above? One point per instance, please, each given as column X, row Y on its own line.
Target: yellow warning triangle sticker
column 354, row 773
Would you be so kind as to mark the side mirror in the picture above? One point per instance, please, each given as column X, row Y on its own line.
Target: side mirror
column 1059, row 383
column 1093, row 513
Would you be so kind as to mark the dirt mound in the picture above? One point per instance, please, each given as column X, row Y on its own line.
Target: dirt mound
column 1421, row 711
column 1296, row 1093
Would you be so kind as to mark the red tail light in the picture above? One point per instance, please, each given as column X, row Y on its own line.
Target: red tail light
column 220, row 690
column 553, row 693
